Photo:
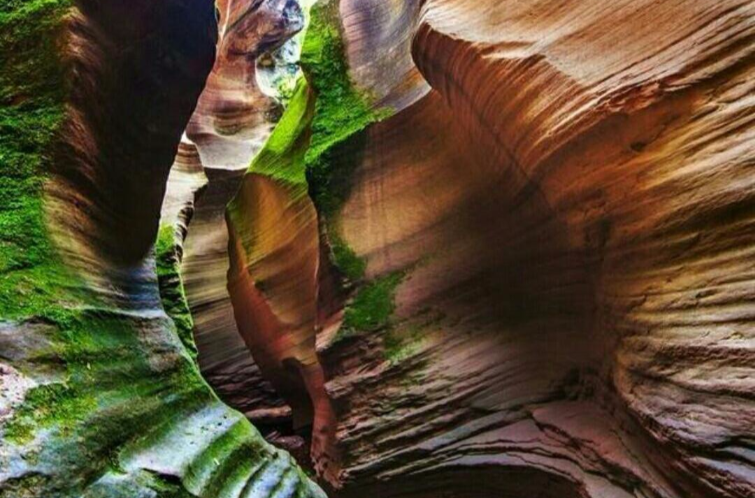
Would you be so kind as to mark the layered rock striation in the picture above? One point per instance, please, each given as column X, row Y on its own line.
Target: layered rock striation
column 478, row 248
column 233, row 117
column 521, row 260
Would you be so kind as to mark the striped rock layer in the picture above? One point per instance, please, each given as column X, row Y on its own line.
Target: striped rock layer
column 511, row 252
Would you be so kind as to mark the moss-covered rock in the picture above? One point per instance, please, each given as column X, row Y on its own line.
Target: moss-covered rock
column 283, row 155
column 317, row 145
column 372, row 306
column 115, row 405
column 172, row 293
column 32, row 93
column 342, row 112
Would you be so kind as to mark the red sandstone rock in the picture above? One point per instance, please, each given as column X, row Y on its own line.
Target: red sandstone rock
column 569, row 197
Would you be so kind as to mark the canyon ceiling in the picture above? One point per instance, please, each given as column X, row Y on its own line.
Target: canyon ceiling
column 377, row 248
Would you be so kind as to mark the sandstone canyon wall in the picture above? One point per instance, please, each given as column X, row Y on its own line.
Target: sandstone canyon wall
column 232, row 119
column 511, row 255
column 475, row 248
column 101, row 396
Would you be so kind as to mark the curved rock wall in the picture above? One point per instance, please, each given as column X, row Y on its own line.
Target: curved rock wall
column 232, row 120
column 489, row 249
column 233, row 115
column 542, row 251
column 622, row 135
column 101, row 397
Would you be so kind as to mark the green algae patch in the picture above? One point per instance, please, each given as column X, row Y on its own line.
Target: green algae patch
column 57, row 405
column 344, row 257
column 172, row 292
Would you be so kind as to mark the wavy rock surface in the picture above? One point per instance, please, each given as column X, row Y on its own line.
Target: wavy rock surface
column 233, row 115
column 231, row 122
column 105, row 397
column 272, row 279
column 489, row 249
column 223, row 357
column 544, row 255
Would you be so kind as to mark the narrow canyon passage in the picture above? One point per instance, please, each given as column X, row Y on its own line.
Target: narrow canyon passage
column 100, row 392
column 234, row 116
column 377, row 249
column 440, row 287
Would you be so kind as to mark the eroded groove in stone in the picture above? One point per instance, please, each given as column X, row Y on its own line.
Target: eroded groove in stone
column 232, row 119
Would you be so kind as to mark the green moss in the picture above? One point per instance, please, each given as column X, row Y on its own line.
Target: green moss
column 33, row 281
column 109, row 391
column 168, row 488
column 32, row 90
column 347, row 261
column 341, row 111
column 26, row 486
column 285, row 89
column 282, row 156
column 56, row 405
column 219, row 462
column 372, row 306
column 172, row 291
column 400, row 344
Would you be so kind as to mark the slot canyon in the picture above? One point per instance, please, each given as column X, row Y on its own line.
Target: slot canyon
column 377, row 248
